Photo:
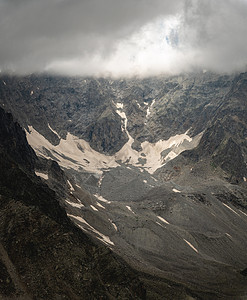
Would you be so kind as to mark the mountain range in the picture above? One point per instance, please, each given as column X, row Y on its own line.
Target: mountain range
column 123, row 188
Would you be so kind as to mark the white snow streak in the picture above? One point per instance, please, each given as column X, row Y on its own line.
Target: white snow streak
column 243, row 212
column 138, row 104
column 113, row 224
column 100, row 205
column 103, row 237
column 230, row 209
column 77, row 205
column 70, row 186
column 130, row 209
column 159, row 224
column 43, row 175
column 53, row 131
column 176, row 191
column 191, row 245
column 150, row 108
column 100, row 198
column 100, row 181
column 163, row 220
column 94, row 208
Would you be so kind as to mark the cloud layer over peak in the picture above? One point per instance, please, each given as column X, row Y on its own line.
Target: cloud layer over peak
column 122, row 38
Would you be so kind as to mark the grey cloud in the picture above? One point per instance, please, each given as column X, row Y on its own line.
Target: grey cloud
column 35, row 34
column 216, row 31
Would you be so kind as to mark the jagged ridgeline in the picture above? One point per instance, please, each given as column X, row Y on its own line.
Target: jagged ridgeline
column 150, row 170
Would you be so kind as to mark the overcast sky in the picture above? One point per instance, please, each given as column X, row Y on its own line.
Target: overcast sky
column 123, row 37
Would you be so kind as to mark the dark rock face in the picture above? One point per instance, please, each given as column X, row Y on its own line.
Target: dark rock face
column 106, row 135
column 13, row 141
column 225, row 140
column 82, row 107
column 244, row 272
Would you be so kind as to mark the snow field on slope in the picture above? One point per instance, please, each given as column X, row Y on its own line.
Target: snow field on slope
column 68, row 152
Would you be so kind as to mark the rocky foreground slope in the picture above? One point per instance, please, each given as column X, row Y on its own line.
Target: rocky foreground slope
column 42, row 254
column 154, row 169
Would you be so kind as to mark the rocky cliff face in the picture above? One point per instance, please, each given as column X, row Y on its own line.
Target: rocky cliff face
column 228, row 133
column 13, row 142
column 224, row 142
column 156, row 108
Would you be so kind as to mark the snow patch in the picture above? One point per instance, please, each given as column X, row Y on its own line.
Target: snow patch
column 176, row 191
column 94, row 208
column 244, row 179
column 119, row 105
column 77, row 205
column 153, row 152
column 4, row 82
column 138, row 104
column 163, row 220
column 100, row 205
column 130, row 209
column 53, row 131
column 103, row 237
column 243, row 212
column 148, row 112
column 150, row 108
column 159, row 224
column 100, row 181
column 70, row 186
column 100, row 198
column 145, row 181
column 230, row 209
column 228, row 234
column 69, row 152
column 31, row 93
column 191, row 246
column 42, row 175
column 113, row 224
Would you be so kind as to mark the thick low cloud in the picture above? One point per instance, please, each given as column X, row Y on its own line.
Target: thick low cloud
column 216, row 32
column 131, row 37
